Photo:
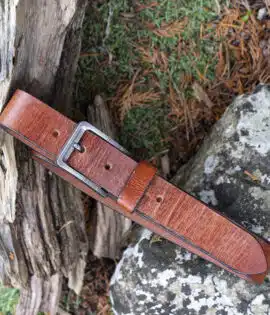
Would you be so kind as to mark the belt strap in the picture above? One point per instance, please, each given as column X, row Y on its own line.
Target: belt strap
column 98, row 166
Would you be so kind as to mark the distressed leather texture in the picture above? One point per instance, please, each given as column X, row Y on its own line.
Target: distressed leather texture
column 136, row 191
column 136, row 186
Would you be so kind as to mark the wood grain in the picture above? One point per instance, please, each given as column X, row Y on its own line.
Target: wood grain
column 35, row 204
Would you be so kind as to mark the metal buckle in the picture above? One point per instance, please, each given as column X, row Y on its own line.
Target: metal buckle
column 73, row 144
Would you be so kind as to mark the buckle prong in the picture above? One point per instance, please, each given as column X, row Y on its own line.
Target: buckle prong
column 78, row 147
column 73, row 143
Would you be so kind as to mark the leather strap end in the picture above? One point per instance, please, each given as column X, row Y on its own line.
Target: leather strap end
column 259, row 278
column 136, row 186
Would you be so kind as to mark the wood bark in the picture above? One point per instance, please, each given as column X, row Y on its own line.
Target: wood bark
column 42, row 232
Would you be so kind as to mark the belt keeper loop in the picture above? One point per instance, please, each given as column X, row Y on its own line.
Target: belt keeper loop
column 136, row 186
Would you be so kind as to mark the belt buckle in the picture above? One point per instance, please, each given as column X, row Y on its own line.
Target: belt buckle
column 73, row 144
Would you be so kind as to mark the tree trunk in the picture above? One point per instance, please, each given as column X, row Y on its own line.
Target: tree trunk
column 42, row 233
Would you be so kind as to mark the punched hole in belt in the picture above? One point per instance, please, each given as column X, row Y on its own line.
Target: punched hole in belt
column 159, row 199
column 83, row 149
column 56, row 133
column 108, row 166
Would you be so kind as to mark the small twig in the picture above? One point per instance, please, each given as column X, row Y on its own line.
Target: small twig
column 267, row 3
column 201, row 95
column 182, row 100
column 65, row 225
column 253, row 177
column 165, row 165
column 218, row 9
column 108, row 26
column 228, row 63
column 191, row 123
column 246, row 4
column 158, row 154
column 103, row 310
column 86, row 54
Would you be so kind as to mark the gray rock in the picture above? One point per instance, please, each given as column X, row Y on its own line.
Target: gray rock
column 262, row 14
column 231, row 172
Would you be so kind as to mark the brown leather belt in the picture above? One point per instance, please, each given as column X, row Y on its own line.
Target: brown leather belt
column 101, row 168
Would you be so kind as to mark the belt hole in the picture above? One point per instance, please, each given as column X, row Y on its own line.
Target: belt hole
column 55, row 133
column 108, row 166
column 159, row 199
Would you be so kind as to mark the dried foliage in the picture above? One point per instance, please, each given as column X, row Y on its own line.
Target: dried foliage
column 189, row 114
column 168, row 29
column 127, row 96
column 181, row 109
column 139, row 6
column 267, row 3
column 250, row 4
column 130, row 99
column 244, row 52
column 201, row 95
column 197, row 102
column 153, row 57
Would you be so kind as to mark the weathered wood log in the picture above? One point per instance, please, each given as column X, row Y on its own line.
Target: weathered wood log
column 42, row 233
column 109, row 226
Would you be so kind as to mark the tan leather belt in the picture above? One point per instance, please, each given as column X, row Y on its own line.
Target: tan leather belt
column 101, row 168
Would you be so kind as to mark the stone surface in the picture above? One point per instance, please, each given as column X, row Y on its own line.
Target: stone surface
column 231, row 172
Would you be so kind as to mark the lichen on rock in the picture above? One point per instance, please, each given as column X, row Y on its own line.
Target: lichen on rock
column 231, row 172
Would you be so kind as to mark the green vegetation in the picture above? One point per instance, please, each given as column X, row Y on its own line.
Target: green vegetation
column 8, row 300
column 159, row 44
column 144, row 130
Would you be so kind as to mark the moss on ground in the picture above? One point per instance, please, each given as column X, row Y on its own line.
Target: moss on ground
column 9, row 298
column 160, row 44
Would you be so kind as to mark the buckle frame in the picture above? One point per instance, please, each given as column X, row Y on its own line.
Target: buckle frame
column 73, row 144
